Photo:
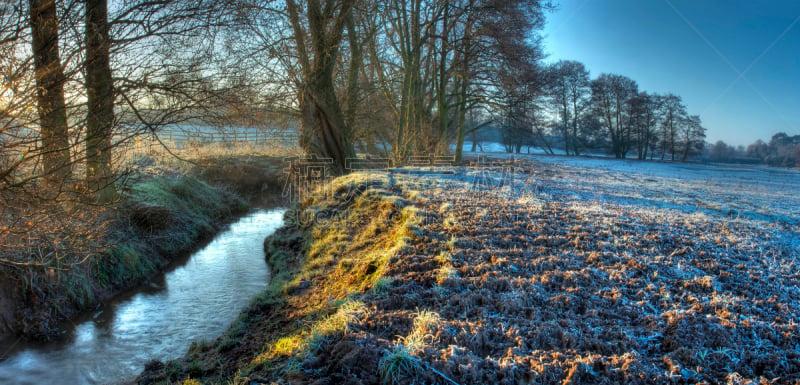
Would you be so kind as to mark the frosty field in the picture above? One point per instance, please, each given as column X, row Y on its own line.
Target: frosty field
column 545, row 270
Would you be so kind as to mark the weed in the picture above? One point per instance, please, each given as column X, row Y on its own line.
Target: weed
column 451, row 244
column 444, row 258
column 288, row 346
column 382, row 284
column 422, row 330
column 445, row 272
column 450, row 221
column 339, row 322
column 445, row 207
column 397, row 366
column 238, row 379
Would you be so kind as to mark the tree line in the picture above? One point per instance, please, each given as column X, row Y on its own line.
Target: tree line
column 577, row 114
column 781, row 151
column 394, row 78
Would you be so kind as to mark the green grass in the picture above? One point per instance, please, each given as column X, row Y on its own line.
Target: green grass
column 398, row 366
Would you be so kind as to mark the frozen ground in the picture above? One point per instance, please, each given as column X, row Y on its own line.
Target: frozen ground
column 755, row 192
column 556, row 270
column 583, row 270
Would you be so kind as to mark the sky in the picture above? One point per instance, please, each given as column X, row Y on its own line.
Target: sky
column 735, row 63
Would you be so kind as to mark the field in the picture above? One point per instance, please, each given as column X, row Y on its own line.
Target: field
column 547, row 270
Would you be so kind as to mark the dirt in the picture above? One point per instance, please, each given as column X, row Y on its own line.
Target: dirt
column 530, row 287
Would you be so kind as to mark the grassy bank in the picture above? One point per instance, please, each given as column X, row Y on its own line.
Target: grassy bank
column 489, row 277
column 77, row 262
column 335, row 247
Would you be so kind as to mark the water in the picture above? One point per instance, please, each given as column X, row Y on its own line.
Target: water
column 198, row 301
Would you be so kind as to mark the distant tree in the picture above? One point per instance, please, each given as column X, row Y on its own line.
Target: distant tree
column 613, row 98
column 758, row 150
column 673, row 116
column 646, row 109
column 693, row 137
column 783, row 150
column 568, row 87
column 721, row 152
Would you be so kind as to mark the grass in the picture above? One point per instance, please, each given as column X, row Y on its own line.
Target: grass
column 422, row 330
column 335, row 248
column 157, row 218
column 398, row 366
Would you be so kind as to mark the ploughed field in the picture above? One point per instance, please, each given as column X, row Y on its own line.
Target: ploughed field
column 558, row 270
column 592, row 275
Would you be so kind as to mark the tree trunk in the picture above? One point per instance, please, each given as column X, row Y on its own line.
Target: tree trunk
column 441, row 100
column 51, row 107
column 324, row 133
column 100, row 98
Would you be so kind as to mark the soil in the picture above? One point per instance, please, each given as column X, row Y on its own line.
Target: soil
column 536, row 286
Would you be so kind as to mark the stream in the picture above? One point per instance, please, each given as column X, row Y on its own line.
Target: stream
column 196, row 301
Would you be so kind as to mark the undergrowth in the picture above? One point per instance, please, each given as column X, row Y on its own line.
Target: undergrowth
column 158, row 218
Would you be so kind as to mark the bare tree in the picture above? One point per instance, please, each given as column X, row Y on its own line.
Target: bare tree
column 317, row 37
column 646, row 110
column 568, row 86
column 693, row 136
column 674, row 114
column 612, row 96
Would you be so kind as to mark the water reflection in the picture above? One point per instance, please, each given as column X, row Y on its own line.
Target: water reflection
column 198, row 301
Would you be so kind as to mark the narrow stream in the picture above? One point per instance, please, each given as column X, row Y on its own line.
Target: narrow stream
column 196, row 301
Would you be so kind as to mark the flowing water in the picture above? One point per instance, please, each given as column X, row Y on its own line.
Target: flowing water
column 194, row 302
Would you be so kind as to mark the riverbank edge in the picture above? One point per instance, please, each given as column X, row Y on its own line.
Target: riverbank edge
column 159, row 220
column 334, row 246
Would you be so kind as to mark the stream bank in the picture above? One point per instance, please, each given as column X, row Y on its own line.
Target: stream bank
column 163, row 215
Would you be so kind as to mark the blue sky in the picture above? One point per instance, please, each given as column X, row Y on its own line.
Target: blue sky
column 735, row 63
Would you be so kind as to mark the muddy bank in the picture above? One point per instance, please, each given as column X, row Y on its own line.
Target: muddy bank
column 163, row 215
column 464, row 279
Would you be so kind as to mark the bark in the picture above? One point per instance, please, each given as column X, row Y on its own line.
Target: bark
column 324, row 133
column 100, row 98
column 50, row 94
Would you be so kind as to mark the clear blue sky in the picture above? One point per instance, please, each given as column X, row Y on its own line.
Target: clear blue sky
column 736, row 63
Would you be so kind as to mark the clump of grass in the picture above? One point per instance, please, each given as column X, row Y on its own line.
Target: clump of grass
column 185, row 207
column 398, row 366
column 296, row 347
column 451, row 243
column 445, row 272
column 191, row 381
column 339, row 322
column 382, row 284
column 444, row 258
column 450, row 221
column 422, row 330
